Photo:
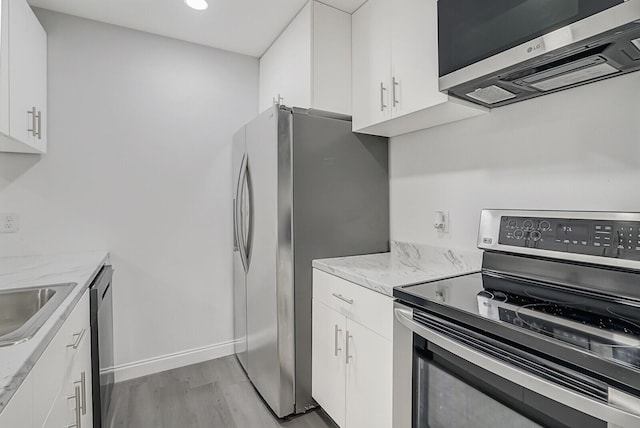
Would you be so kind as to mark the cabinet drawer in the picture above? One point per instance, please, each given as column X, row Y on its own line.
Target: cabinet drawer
column 367, row 307
column 53, row 366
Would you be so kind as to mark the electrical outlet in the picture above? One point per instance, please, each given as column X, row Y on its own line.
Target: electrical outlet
column 441, row 221
column 10, row 223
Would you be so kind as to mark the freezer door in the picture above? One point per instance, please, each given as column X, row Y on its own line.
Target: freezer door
column 270, row 328
column 239, row 275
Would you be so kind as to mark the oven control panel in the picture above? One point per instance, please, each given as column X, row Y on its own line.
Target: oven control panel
column 604, row 238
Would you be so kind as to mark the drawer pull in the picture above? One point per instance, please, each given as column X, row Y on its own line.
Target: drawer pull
column 341, row 297
column 78, row 337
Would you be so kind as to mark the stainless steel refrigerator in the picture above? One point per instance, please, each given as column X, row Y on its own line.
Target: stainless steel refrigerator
column 305, row 187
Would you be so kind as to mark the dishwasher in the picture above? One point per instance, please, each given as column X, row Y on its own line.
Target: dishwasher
column 102, row 344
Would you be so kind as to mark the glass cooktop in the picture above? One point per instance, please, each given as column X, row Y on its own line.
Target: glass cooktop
column 606, row 328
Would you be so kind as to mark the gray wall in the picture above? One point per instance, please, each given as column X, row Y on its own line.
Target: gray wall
column 139, row 164
column 574, row 150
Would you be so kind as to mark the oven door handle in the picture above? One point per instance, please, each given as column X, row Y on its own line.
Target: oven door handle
column 615, row 417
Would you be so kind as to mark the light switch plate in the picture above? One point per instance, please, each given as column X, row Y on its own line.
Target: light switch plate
column 10, row 223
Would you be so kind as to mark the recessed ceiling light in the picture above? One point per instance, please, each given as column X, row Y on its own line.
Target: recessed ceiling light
column 197, row 4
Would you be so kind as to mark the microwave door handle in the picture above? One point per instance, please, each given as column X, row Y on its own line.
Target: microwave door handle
column 612, row 415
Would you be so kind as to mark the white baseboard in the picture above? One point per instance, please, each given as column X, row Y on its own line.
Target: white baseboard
column 172, row 361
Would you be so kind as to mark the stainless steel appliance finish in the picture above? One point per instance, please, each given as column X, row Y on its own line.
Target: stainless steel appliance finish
column 305, row 187
column 23, row 311
column 548, row 334
column 102, row 360
column 584, row 50
column 489, row 230
column 614, row 415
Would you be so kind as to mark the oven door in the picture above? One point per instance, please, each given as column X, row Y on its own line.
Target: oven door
column 446, row 375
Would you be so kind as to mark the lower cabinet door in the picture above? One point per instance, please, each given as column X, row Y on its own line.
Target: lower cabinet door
column 18, row 411
column 328, row 360
column 369, row 372
column 63, row 411
column 82, row 378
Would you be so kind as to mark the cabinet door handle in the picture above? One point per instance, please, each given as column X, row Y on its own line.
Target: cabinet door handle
column 335, row 341
column 382, row 89
column 396, row 84
column 76, row 397
column 279, row 100
column 78, row 337
column 347, row 357
column 83, row 387
column 39, row 134
column 33, row 114
column 341, row 297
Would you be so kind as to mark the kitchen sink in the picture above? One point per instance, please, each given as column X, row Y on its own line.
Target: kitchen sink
column 23, row 311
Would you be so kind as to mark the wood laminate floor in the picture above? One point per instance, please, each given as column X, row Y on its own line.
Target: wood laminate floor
column 212, row 394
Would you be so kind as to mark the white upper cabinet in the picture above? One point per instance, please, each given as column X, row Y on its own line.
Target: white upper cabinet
column 395, row 70
column 371, row 63
column 309, row 65
column 23, row 80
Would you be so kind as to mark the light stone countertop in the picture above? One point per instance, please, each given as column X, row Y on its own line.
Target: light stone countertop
column 406, row 264
column 29, row 271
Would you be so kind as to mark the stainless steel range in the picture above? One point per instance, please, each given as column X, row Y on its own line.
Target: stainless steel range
column 547, row 334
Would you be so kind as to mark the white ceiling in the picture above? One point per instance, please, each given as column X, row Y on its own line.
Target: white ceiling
column 245, row 26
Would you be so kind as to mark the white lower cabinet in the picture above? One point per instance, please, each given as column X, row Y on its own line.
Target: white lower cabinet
column 369, row 378
column 58, row 391
column 352, row 352
column 328, row 360
column 18, row 412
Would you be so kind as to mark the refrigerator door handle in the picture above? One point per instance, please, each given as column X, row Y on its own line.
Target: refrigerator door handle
column 238, row 214
column 235, row 227
column 249, row 223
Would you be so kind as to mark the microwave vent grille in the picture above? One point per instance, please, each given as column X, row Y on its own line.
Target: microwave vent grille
column 491, row 94
column 578, row 76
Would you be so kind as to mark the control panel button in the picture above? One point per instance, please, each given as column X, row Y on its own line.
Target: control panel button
column 607, row 228
column 585, row 242
column 527, row 224
column 518, row 233
column 535, row 235
column 545, row 225
column 606, row 245
column 598, row 227
column 596, row 244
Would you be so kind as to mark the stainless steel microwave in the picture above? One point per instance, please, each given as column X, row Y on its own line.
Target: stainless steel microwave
column 504, row 51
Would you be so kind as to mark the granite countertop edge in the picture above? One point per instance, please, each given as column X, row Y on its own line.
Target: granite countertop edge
column 17, row 361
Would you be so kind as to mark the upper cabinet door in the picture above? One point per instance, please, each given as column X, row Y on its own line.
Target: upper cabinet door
column 395, row 70
column 27, row 75
column 414, row 52
column 23, row 80
column 309, row 64
column 371, row 66
column 285, row 69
